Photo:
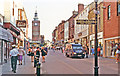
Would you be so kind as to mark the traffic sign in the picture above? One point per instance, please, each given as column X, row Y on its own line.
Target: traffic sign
column 85, row 22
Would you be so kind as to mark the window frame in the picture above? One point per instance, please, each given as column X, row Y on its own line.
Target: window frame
column 109, row 12
column 118, row 9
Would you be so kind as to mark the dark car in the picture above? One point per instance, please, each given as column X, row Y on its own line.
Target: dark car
column 74, row 50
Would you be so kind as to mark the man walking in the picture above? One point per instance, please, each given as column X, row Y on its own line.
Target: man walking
column 14, row 55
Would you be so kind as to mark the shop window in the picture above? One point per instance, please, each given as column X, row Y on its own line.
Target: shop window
column 91, row 29
column 109, row 12
column 99, row 24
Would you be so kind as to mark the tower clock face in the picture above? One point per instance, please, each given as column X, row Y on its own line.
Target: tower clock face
column 35, row 24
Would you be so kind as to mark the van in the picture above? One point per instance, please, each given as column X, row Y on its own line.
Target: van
column 74, row 50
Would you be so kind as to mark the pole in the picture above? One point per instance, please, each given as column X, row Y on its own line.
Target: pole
column 96, row 44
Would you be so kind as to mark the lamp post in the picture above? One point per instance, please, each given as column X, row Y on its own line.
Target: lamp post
column 96, row 42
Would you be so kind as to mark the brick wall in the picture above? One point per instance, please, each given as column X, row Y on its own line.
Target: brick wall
column 110, row 26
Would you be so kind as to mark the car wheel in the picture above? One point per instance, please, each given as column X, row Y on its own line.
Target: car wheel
column 67, row 55
column 83, row 56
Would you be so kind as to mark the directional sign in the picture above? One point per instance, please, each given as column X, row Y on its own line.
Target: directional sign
column 85, row 22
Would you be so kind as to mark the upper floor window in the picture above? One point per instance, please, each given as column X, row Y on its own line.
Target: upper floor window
column 119, row 9
column 0, row 20
column 109, row 12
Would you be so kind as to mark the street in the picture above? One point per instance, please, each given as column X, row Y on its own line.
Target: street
column 57, row 63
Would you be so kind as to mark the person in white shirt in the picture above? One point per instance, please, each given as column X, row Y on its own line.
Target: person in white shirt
column 14, row 55
column 21, row 53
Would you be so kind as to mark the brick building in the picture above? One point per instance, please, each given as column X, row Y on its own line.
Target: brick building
column 35, row 31
column 72, row 22
column 111, row 30
column 71, row 26
column 35, row 28
column 61, row 33
column 54, row 36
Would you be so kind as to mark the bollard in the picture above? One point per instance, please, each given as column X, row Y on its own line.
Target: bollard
column 37, row 58
column 38, row 69
column 35, row 61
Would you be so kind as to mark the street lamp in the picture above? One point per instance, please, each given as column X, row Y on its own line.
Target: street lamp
column 96, row 42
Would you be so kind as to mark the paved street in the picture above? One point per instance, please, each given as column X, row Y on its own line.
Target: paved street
column 57, row 63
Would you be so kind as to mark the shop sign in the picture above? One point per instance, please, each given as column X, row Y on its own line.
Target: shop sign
column 100, row 35
column 85, row 22
column 21, row 23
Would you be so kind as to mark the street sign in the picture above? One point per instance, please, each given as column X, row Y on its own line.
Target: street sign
column 85, row 22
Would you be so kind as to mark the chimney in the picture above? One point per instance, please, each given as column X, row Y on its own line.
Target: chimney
column 80, row 7
column 75, row 12
column 63, row 21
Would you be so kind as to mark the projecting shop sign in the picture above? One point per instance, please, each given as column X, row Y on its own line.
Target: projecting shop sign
column 21, row 23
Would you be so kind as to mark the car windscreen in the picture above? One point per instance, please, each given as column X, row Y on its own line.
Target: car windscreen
column 77, row 48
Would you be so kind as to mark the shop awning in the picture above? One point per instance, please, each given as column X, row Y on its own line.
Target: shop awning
column 5, row 35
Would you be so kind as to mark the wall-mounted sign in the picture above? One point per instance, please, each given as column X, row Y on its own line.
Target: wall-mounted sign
column 85, row 22
column 21, row 23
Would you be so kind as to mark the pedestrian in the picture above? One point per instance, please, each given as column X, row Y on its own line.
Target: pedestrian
column 92, row 50
column 32, row 54
column 98, row 51
column 38, row 52
column 29, row 51
column 117, row 55
column 87, row 51
column 21, row 53
column 14, row 56
column 43, row 54
column 101, row 52
column 53, row 49
column 46, row 50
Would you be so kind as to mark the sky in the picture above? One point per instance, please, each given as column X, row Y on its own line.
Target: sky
column 50, row 13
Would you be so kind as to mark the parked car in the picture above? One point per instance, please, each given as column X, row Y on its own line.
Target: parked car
column 74, row 50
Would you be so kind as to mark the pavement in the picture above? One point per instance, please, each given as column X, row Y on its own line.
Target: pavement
column 57, row 63
column 25, row 69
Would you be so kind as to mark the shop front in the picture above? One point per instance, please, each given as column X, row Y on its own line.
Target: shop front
column 100, row 41
column 111, row 45
column 5, row 42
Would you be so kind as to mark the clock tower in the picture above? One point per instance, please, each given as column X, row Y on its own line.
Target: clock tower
column 36, row 28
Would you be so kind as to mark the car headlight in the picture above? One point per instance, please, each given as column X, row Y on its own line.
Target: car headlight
column 74, row 53
column 83, row 52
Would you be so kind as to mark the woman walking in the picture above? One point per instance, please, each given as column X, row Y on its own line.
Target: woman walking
column 43, row 54
column 32, row 54
column 38, row 52
column 117, row 55
column 21, row 53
